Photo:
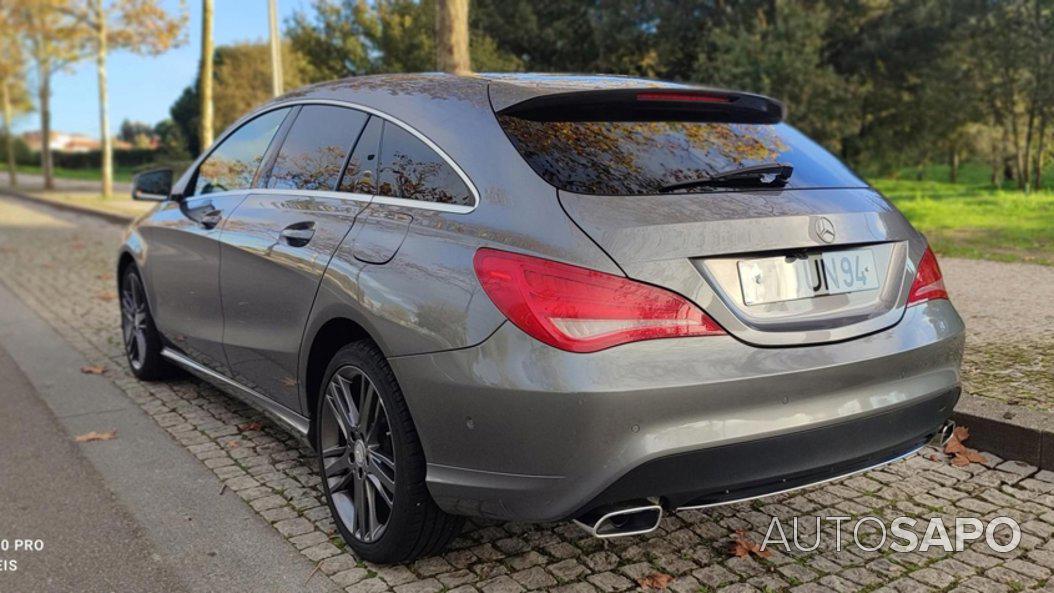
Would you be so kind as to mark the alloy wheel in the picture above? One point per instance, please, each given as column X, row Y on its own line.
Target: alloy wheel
column 358, row 455
column 133, row 320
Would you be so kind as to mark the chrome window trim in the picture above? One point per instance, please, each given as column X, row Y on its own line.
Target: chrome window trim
column 441, row 207
column 339, row 195
column 309, row 193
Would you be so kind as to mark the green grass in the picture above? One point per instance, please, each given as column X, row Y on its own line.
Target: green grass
column 119, row 174
column 976, row 220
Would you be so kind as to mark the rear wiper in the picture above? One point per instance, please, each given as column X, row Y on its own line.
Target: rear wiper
column 765, row 175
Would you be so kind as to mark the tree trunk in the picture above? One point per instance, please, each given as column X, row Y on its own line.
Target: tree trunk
column 104, row 102
column 1037, row 168
column 12, row 167
column 953, row 162
column 452, row 36
column 44, row 74
column 1026, row 170
column 276, row 49
column 206, row 74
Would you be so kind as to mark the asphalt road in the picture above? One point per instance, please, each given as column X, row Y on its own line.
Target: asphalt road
column 136, row 513
column 50, row 492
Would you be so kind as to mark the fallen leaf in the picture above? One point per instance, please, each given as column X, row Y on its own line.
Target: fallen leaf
column 655, row 580
column 106, row 296
column 255, row 425
column 744, row 546
column 93, row 369
column 96, row 436
column 105, row 277
column 960, row 453
column 232, row 444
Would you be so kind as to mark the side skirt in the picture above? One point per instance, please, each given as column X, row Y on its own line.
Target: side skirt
column 291, row 420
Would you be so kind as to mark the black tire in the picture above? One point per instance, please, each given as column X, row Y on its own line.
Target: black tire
column 142, row 342
column 415, row 525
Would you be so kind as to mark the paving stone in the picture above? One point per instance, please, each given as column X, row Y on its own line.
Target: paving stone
column 320, row 551
column 424, row 586
column 308, row 539
column 352, row 576
column 610, row 581
column 368, row 586
column 501, row 584
column 567, row 570
column 294, row 527
column 456, row 578
column 534, row 578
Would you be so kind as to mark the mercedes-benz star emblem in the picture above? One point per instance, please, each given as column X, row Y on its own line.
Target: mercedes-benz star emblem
column 824, row 229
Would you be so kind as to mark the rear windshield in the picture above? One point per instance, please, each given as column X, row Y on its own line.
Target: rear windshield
column 640, row 157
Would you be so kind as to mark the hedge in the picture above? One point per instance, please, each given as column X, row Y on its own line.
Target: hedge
column 92, row 159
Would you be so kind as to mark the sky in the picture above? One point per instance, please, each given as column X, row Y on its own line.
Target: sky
column 142, row 88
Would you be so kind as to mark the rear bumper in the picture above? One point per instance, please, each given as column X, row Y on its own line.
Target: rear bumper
column 516, row 430
column 727, row 473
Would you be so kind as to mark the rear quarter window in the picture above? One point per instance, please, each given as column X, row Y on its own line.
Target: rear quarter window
column 639, row 157
column 409, row 169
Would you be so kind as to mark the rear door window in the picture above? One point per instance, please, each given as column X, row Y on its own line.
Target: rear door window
column 316, row 147
column 233, row 164
column 640, row 157
column 409, row 169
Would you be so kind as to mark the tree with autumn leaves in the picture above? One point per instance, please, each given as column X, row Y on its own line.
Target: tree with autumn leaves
column 58, row 33
column 15, row 95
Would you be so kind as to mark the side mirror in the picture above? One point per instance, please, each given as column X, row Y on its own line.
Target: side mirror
column 153, row 185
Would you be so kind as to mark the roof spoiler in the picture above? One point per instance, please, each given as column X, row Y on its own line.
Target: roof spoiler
column 651, row 104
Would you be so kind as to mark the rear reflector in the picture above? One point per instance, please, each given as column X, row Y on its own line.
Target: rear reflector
column 929, row 283
column 582, row 310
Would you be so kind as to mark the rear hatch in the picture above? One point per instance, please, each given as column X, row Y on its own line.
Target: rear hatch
column 800, row 251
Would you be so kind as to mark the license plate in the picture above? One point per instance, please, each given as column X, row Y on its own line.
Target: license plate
column 788, row 278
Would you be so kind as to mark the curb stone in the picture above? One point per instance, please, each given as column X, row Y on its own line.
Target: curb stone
column 114, row 217
column 1011, row 432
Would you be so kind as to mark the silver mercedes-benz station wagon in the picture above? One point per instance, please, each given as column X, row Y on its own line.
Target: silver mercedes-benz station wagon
column 542, row 298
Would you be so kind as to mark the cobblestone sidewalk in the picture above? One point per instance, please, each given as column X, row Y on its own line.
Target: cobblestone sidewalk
column 62, row 266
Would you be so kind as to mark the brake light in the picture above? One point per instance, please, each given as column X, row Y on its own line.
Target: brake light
column 690, row 97
column 582, row 310
column 929, row 283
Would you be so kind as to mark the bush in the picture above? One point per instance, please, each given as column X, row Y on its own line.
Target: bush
column 92, row 159
column 23, row 156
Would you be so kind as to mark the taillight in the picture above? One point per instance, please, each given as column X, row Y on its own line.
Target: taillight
column 583, row 310
column 929, row 283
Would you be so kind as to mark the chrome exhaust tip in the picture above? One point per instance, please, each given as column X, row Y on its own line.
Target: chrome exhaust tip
column 945, row 432
column 621, row 522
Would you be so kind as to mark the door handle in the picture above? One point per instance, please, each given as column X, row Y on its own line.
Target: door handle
column 298, row 234
column 211, row 218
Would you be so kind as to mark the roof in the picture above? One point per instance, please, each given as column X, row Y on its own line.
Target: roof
column 505, row 88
